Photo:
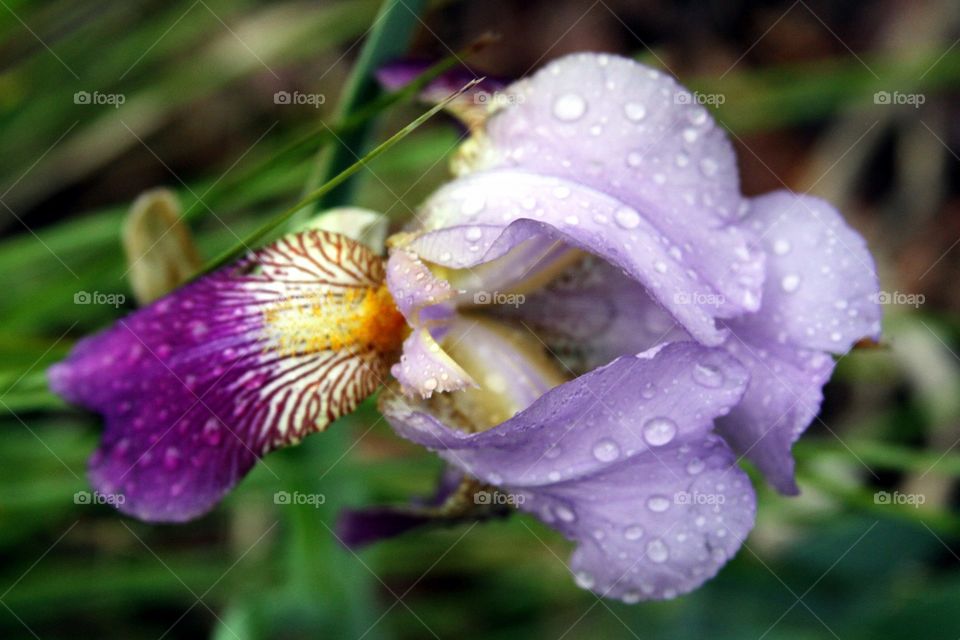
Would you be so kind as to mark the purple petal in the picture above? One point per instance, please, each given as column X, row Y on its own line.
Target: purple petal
column 586, row 454
column 593, row 314
column 200, row 384
column 821, row 289
column 717, row 271
column 425, row 368
column 782, row 399
column 819, row 297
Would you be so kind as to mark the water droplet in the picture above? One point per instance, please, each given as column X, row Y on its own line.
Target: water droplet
column 634, row 111
column 569, row 107
column 583, row 579
column 630, row 597
column 657, row 551
column 211, row 432
column 695, row 466
column 565, row 514
column 781, row 247
column 790, row 283
column 690, row 134
column 658, row 504
column 659, row 431
column 660, row 266
column 708, row 376
column 633, row 532
column 553, row 476
column 430, row 384
column 474, row 233
column 627, row 218
column 634, row 159
column 709, row 167
column 606, row 450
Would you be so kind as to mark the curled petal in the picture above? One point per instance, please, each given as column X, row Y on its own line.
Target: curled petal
column 425, row 368
column 622, row 446
column 200, row 384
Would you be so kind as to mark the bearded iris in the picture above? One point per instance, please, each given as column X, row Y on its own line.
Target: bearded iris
column 669, row 326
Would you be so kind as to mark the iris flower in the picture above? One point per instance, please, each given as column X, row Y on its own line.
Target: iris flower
column 590, row 320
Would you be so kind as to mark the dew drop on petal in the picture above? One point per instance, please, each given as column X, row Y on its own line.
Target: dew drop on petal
column 633, row 532
column 781, row 247
column 659, row 431
column 708, row 376
column 569, row 107
column 658, row 504
column 634, row 159
column 584, row 580
column 790, row 283
column 657, row 551
column 565, row 514
column 695, row 466
column 627, row 218
column 606, row 450
column 634, row 111
column 474, row 233
column 708, row 166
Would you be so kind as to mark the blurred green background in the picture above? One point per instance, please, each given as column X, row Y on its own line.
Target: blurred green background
column 197, row 79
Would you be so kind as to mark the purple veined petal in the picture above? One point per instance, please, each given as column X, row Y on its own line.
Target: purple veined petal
column 821, row 289
column 197, row 386
column 652, row 498
column 697, row 277
column 782, row 399
column 632, row 406
column 654, row 527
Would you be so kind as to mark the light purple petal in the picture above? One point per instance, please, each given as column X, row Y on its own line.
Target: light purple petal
column 654, row 527
column 716, row 269
column 595, row 450
column 593, row 314
column 425, row 368
column 782, row 399
column 821, row 289
column 198, row 385
column 820, row 297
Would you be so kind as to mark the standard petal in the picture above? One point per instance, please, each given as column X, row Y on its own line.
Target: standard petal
column 717, row 271
column 820, row 296
column 200, row 384
column 821, row 289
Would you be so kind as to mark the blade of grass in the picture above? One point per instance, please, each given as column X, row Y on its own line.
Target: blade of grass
column 254, row 238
